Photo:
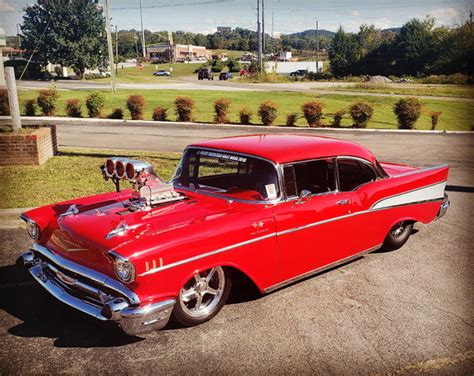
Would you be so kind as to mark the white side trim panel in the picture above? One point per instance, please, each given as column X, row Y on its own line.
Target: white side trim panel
column 432, row 192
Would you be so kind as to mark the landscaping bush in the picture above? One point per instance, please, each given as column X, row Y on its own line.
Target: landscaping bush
column 221, row 108
column 313, row 113
column 159, row 114
column 245, row 115
column 338, row 118
column 320, row 76
column 30, row 107
column 453, row 79
column 291, row 119
column 435, row 119
column 47, row 100
column 136, row 106
column 361, row 113
column 268, row 112
column 95, row 103
column 407, row 110
column 184, row 108
column 73, row 108
column 4, row 106
column 117, row 113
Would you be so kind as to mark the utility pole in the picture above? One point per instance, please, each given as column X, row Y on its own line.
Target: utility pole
column 19, row 39
column 263, row 26
column 143, row 32
column 273, row 41
column 109, row 45
column 116, row 49
column 13, row 98
column 259, row 39
column 317, row 46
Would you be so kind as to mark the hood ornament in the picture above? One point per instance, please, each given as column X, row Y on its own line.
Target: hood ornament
column 120, row 230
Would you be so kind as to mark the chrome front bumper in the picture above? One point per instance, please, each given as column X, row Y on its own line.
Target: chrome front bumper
column 94, row 293
column 444, row 206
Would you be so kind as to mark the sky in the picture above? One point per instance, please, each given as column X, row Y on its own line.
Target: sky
column 288, row 15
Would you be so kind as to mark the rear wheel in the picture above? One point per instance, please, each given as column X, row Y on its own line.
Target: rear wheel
column 202, row 297
column 398, row 235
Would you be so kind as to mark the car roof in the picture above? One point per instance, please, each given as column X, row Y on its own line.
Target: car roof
column 284, row 148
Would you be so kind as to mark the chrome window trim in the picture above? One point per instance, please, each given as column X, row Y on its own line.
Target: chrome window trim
column 87, row 273
column 362, row 160
column 275, row 165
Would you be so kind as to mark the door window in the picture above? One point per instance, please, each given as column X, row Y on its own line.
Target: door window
column 314, row 176
column 353, row 173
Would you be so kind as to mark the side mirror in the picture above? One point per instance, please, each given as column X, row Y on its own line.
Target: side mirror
column 305, row 196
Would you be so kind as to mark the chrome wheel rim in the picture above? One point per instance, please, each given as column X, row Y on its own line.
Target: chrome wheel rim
column 202, row 293
column 398, row 229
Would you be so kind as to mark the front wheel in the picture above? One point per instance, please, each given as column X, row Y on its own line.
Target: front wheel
column 397, row 236
column 202, row 297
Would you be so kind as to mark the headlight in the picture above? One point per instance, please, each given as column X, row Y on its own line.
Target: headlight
column 32, row 227
column 124, row 269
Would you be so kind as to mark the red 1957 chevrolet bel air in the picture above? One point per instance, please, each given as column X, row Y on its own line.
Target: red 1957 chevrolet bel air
column 276, row 208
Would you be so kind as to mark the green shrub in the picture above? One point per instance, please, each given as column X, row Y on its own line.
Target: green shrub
column 320, row 76
column 4, row 106
column 407, row 110
column 30, row 107
column 291, row 119
column 221, row 108
column 95, row 103
column 338, row 118
column 361, row 113
column 73, row 108
column 136, row 106
column 453, row 79
column 268, row 112
column 245, row 115
column 117, row 113
column 184, row 108
column 159, row 114
column 435, row 119
column 234, row 66
column 47, row 100
column 313, row 113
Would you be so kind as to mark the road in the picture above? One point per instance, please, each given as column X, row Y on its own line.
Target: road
column 403, row 312
column 191, row 83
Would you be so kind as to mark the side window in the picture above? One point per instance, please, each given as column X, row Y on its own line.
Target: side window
column 314, row 176
column 353, row 173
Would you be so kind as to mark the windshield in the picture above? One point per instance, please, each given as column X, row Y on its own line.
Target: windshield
column 228, row 174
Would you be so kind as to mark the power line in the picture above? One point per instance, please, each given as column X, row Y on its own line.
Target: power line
column 175, row 5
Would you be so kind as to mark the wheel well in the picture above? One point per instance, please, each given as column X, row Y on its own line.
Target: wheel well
column 243, row 287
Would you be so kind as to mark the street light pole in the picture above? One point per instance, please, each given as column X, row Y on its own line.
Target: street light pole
column 317, row 46
column 259, row 39
column 116, row 49
column 143, row 32
column 109, row 46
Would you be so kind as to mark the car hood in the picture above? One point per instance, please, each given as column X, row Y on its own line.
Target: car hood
column 85, row 237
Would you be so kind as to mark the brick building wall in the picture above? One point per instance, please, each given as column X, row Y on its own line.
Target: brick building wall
column 33, row 148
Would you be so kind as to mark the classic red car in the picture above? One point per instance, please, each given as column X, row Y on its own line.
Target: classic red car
column 274, row 208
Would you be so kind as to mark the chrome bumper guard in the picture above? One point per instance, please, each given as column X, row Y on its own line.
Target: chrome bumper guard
column 444, row 206
column 94, row 293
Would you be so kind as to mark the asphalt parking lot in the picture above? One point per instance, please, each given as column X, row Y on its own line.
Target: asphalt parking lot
column 404, row 312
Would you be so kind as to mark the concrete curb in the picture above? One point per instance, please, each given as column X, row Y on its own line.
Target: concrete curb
column 257, row 128
column 10, row 218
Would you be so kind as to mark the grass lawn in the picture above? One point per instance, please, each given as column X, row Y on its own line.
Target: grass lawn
column 135, row 75
column 72, row 173
column 457, row 115
column 459, row 91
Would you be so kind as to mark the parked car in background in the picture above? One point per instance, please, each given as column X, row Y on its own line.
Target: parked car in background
column 271, row 208
column 205, row 74
column 299, row 73
column 224, row 76
column 162, row 73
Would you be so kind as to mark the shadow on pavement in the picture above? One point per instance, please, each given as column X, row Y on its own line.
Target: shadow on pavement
column 44, row 316
column 459, row 188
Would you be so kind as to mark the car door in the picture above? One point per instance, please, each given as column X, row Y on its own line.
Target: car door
column 317, row 229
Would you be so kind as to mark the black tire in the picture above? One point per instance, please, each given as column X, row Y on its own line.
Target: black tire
column 397, row 236
column 186, row 310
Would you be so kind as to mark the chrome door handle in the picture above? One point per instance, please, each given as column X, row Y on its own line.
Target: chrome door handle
column 343, row 202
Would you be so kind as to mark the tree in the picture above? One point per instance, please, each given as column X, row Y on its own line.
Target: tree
column 74, row 33
column 343, row 53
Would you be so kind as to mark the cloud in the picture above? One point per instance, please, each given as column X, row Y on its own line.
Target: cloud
column 355, row 13
column 383, row 23
column 445, row 16
column 5, row 6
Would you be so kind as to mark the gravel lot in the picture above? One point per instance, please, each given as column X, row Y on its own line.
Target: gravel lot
column 403, row 312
